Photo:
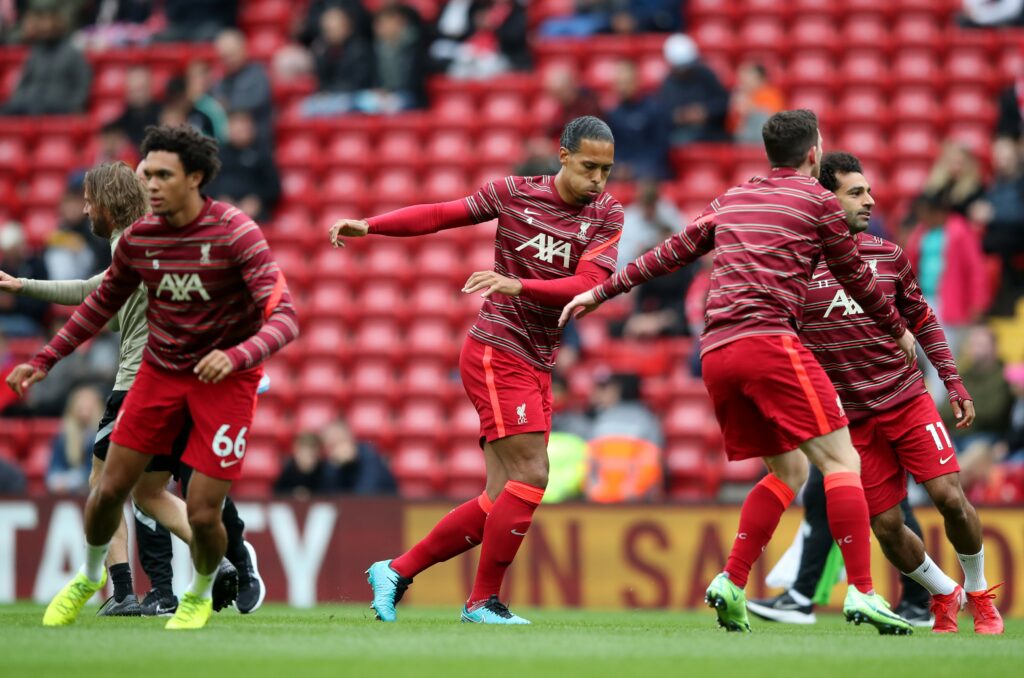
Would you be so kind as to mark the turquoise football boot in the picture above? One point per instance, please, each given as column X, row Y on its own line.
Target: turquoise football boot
column 490, row 611
column 388, row 588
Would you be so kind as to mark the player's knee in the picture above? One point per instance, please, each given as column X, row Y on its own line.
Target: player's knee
column 887, row 526
column 109, row 491
column 950, row 501
column 204, row 518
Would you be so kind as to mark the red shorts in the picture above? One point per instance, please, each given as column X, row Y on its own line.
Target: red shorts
column 510, row 395
column 156, row 406
column 909, row 437
column 770, row 395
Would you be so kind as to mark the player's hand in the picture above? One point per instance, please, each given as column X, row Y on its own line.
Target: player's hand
column 581, row 305
column 963, row 410
column 491, row 282
column 907, row 344
column 23, row 376
column 8, row 283
column 214, row 366
column 348, row 228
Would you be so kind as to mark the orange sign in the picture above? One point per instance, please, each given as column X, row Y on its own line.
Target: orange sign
column 664, row 557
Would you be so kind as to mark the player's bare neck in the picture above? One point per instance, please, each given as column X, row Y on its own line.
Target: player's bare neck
column 188, row 214
column 563, row 191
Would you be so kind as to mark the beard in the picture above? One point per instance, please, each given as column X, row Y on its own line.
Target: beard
column 100, row 228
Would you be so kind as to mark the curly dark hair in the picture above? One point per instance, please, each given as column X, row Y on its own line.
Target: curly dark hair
column 198, row 153
column 835, row 163
column 585, row 127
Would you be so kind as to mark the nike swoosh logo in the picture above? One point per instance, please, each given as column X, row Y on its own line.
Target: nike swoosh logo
column 818, row 275
column 518, row 534
column 944, row 461
column 224, row 463
column 529, row 211
column 153, row 253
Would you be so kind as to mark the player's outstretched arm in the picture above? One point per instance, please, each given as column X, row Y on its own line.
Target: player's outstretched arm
column 554, row 292
column 405, row 222
column 63, row 292
column 914, row 307
column 23, row 376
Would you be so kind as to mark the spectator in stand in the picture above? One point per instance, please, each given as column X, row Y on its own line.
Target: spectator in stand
column 541, row 158
column 641, row 127
column 245, row 84
column 197, row 20
column 696, row 99
column 645, row 220
column 141, row 110
column 71, row 456
column 753, row 101
column 984, row 376
column 20, row 316
column 12, row 479
column 187, row 102
column 945, row 251
column 566, row 416
column 305, row 472
column 56, row 76
column 1012, row 448
column 248, row 176
column 399, row 65
column 354, row 467
column 1001, row 211
column 990, row 13
column 617, row 16
column 114, row 145
column 344, row 64
column 344, row 59
column 116, row 23
column 311, row 26
column 956, row 176
column 574, row 100
column 1010, row 122
column 482, row 38
column 74, row 220
column 619, row 411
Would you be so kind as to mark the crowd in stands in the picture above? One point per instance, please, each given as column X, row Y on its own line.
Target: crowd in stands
column 964, row 234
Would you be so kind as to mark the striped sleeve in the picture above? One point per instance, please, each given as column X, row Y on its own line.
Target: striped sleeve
column 603, row 248
column 269, row 291
column 99, row 307
column 683, row 248
column 486, row 204
column 852, row 272
column 912, row 305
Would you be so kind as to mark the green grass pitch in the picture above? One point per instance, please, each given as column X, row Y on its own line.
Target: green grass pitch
column 344, row 640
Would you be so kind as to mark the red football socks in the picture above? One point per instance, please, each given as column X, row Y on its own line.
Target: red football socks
column 851, row 526
column 506, row 526
column 759, row 517
column 457, row 532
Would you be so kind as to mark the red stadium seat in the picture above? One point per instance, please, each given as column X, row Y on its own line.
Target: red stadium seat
column 811, row 69
column 970, row 66
column 371, row 421
column 450, row 147
column 762, row 33
column 500, row 147
column 314, row 415
column 56, row 153
column 109, row 83
column 378, row 339
column 504, row 109
column 970, row 104
column 436, row 299
column 866, row 31
column 866, row 140
column 321, row 381
column 382, row 299
column 466, row 472
column 402, row 149
column 348, row 150
column 916, row 67
column 46, row 189
column 455, row 111
column 915, row 142
column 416, row 469
column 301, row 151
column 373, row 380
column 445, row 183
column 748, row 471
column 421, row 420
column 325, row 338
column 814, row 32
column 297, row 185
column 429, row 340
column 442, row 262
column 908, row 178
column 714, row 34
column 396, row 185
column 344, row 184
column 917, row 30
column 865, row 105
column 389, row 260
column 864, row 68
column 13, row 156
column 916, row 105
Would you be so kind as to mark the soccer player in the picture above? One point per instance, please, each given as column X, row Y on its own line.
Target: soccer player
column 556, row 237
column 114, row 199
column 771, row 398
column 894, row 423
column 218, row 306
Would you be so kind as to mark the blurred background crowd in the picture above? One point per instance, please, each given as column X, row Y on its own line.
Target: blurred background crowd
column 344, row 108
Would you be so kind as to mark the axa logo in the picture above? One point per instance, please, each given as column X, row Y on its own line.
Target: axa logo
column 182, row 286
column 548, row 248
column 844, row 302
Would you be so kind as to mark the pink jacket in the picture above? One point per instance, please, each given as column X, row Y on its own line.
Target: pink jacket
column 963, row 287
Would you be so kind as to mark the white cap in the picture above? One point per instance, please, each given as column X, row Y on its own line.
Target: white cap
column 680, row 50
column 11, row 235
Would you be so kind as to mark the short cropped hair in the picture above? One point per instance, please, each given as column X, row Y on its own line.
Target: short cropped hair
column 114, row 187
column 197, row 152
column 788, row 135
column 835, row 163
column 585, row 127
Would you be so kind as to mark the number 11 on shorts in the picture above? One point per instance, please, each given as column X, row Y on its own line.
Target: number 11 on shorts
column 224, row 447
column 931, row 428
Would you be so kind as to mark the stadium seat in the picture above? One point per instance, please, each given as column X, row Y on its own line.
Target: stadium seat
column 55, row 153
column 302, row 151
column 430, row 379
column 389, row 260
column 864, row 67
column 378, row 339
column 440, row 262
column 445, row 183
column 13, row 157
column 344, row 184
column 465, row 471
column 916, row 105
column 500, row 147
column 429, row 340
column 321, row 381
column 866, row 32
column 314, row 415
column 916, row 67
column 46, row 189
column 383, row 299
column 505, row 109
column 917, row 30
column 762, row 33
column 447, row 147
column 814, row 32
column 811, row 69
column 970, row 104
column 416, row 469
column 970, row 67
column 371, row 420
column 399, row 186
column 325, row 338
column 421, row 420
column 748, row 471
column 401, row 149
column 349, row 150
column 915, row 141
